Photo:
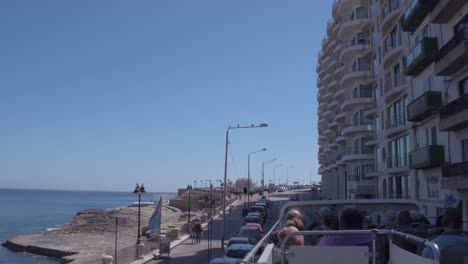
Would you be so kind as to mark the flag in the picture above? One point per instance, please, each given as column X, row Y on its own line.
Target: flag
column 155, row 220
column 121, row 220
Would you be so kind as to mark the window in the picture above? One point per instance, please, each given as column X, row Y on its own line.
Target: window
column 396, row 113
column 428, row 83
column 399, row 149
column 377, row 126
column 464, row 149
column 463, row 86
column 431, row 135
column 396, row 75
column 432, row 187
column 355, row 92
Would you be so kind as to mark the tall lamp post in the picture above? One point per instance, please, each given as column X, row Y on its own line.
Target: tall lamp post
column 189, row 188
column 248, row 173
column 225, row 174
column 287, row 179
column 263, row 173
column 274, row 170
column 139, row 189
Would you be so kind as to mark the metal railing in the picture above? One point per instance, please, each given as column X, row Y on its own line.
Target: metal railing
column 389, row 7
column 250, row 256
column 455, row 170
column 460, row 36
column 397, row 161
column 373, row 233
column 454, row 107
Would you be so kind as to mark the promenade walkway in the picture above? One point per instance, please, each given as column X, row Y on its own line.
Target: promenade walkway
column 187, row 252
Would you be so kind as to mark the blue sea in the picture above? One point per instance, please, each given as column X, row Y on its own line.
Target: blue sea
column 34, row 211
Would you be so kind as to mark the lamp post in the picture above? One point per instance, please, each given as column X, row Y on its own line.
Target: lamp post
column 287, row 179
column 263, row 173
column 189, row 188
column 225, row 173
column 139, row 189
column 274, row 170
column 248, row 174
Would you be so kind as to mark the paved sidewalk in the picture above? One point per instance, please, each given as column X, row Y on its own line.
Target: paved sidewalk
column 183, row 250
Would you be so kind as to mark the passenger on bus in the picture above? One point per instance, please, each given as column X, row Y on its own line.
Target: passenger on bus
column 350, row 219
column 452, row 241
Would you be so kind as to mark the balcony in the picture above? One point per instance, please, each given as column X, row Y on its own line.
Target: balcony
column 340, row 117
column 426, row 157
column 357, row 22
column 350, row 129
column 357, row 154
column 416, row 12
column 394, row 87
column 424, row 106
column 455, row 176
column 389, row 15
column 362, row 189
column 396, row 125
column 454, row 115
column 361, row 71
column 453, row 56
column 421, row 56
column 446, row 10
column 349, row 103
column 353, row 48
column 397, row 164
column 392, row 50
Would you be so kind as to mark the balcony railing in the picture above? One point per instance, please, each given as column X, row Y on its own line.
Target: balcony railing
column 455, row 171
column 454, row 107
column 424, row 106
column 394, row 82
column 421, row 56
column 389, row 8
column 427, row 157
column 391, row 43
column 396, row 122
column 416, row 12
column 457, row 39
column 397, row 161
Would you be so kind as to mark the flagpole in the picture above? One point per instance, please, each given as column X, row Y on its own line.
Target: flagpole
column 116, row 219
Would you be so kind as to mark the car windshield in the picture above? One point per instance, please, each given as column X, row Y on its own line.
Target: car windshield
column 238, row 253
column 237, row 241
column 249, row 232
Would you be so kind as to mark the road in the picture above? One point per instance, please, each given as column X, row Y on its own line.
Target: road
column 188, row 252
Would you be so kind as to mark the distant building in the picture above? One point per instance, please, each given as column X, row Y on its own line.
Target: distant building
column 393, row 102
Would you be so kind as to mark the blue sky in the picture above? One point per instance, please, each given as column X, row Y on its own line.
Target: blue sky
column 99, row 95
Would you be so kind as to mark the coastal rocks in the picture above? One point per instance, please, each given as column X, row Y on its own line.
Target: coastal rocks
column 90, row 235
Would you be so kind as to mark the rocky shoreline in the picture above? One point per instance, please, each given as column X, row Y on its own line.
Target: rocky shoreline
column 90, row 236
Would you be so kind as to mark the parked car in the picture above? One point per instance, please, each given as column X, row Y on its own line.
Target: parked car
column 238, row 251
column 237, row 240
column 225, row 260
column 251, row 232
column 253, row 218
column 259, row 209
column 258, row 214
column 259, row 226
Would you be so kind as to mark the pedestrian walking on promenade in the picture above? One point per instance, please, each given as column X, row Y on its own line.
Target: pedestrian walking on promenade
column 198, row 231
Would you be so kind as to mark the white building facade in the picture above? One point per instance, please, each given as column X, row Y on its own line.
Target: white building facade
column 393, row 102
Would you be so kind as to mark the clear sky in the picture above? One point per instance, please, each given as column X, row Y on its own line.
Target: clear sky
column 99, row 95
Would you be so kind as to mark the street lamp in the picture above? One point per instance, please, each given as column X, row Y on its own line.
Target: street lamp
column 139, row 189
column 263, row 173
column 248, row 173
column 189, row 187
column 287, row 179
column 225, row 173
column 274, row 169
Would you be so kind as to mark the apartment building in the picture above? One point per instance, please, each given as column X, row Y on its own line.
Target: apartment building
column 393, row 102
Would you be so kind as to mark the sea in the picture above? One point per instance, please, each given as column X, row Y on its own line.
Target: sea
column 35, row 211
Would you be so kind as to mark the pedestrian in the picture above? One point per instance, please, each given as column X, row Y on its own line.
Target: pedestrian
column 198, row 231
